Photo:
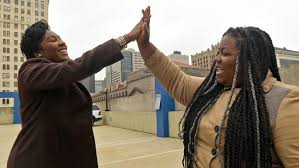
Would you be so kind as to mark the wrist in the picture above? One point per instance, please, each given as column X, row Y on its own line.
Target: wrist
column 121, row 41
column 128, row 38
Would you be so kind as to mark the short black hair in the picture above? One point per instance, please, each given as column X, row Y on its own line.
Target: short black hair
column 33, row 36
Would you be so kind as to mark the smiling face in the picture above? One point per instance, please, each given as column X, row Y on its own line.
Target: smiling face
column 53, row 48
column 226, row 60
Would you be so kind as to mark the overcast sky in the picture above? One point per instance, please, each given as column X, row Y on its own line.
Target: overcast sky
column 189, row 26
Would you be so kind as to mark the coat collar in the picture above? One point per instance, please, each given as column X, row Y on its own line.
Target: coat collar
column 268, row 82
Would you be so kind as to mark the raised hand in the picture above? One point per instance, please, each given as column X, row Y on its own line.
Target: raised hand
column 146, row 48
column 143, row 39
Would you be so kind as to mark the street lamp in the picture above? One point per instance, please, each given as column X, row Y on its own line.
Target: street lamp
column 106, row 93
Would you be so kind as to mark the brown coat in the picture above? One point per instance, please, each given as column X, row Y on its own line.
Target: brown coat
column 56, row 111
column 285, row 127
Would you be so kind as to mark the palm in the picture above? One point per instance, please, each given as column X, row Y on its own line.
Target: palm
column 145, row 34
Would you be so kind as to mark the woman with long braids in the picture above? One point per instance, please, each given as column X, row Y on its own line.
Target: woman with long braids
column 241, row 114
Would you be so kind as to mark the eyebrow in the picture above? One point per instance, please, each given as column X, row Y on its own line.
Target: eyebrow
column 54, row 36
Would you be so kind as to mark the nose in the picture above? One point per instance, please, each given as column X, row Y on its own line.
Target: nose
column 61, row 43
column 218, row 58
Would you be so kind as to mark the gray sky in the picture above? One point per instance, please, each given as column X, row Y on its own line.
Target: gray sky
column 189, row 26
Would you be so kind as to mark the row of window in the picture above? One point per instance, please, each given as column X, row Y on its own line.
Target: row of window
column 113, row 95
column 16, row 10
column 7, row 42
column 16, row 18
column 7, row 84
column 28, row 4
column 7, row 67
column 7, row 50
column 7, row 34
column 7, row 75
column 5, row 101
column 7, row 59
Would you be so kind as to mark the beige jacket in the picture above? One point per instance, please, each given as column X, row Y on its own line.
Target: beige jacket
column 182, row 87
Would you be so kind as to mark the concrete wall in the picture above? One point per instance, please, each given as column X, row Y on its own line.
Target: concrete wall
column 139, row 121
column 174, row 119
column 6, row 115
column 289, row 74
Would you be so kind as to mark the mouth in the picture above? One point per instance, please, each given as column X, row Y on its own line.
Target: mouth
column 219, row 70
column 62, row 51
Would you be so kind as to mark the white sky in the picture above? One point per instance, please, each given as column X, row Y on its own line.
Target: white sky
column 189, row 26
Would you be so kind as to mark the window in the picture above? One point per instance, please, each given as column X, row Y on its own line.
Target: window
column 16, row 10
column 6, row 50
column 5, row 58
column 42, row 6
column 28, row 4
column 36, row 13
column 22, row 27
column 5, row 75
column 16, row 26
column 22, row 18
column 6, row 25
column 28, row 12
column 28, row 19
column 22, row 11
column 15, row 42
column 15, row 51
column 42, row 14
column 15, row 75
column 5, row 84
column 15, row 34
column 5, row 66
column 15, row 59
column 22, row 59
column 36, row 5
column 22, row 3
column 15, row 67
column 15, row 84
column 16, row 2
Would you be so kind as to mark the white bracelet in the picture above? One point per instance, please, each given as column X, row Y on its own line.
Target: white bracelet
column 121, row 41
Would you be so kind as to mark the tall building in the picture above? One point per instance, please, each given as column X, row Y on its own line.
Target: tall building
column 89, row 83
column 118, row 72
column 15, row 17
column 206, row 58
column 99, row 85
column 178, row 57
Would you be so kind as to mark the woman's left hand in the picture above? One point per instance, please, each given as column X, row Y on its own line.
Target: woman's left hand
column 135, row 32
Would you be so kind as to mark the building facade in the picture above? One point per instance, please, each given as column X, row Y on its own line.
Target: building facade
column 119, row 71
column 286, row 57
column 206, row 58
column 99, row 85
column 178, row 57
column 15, row 17
column 89, row 83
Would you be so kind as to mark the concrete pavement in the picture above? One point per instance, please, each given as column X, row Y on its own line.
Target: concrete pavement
column 117, row 148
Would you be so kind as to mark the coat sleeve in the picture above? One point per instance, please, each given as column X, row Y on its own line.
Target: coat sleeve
column 41, row 74
column 180, row 85
column 286, row 130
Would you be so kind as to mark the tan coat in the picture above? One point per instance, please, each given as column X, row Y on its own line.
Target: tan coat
column 182, row 87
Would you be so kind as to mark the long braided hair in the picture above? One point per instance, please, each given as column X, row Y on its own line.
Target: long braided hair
column 248, row 134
